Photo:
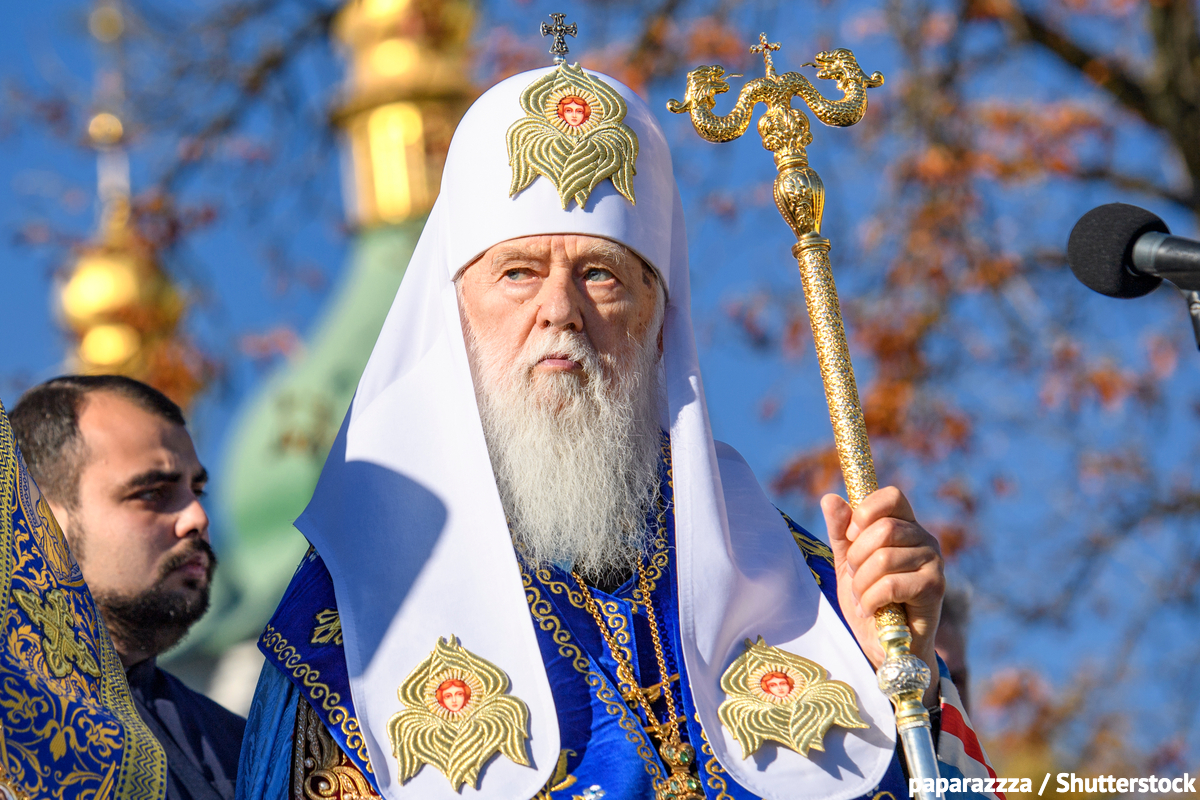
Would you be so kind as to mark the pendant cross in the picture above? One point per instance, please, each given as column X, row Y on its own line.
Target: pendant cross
column 763, row 47
column 559, row 47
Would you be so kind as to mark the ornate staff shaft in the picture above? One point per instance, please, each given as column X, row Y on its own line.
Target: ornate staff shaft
column 800, row 198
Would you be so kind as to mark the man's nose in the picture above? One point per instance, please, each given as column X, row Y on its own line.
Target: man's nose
column 192, row 521
column 559, row 302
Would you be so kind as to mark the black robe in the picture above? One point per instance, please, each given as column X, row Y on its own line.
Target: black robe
column 202, row 738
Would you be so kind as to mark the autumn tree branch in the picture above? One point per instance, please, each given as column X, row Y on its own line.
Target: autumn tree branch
column 1169, row 99
column 1134, row 183
column 1106, row 72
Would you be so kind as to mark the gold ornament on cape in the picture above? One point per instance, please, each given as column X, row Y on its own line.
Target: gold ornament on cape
column 328, row 627
column 773, row 694
column 457, row 716
column 573, row 135
column 321, row 770
column 60, row 645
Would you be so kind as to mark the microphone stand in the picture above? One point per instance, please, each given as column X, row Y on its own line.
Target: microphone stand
column 800, row 198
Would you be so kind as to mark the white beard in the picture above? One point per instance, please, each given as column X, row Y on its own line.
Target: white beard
column 575, row 457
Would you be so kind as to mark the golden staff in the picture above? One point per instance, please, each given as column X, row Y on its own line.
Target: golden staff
column 800, row 197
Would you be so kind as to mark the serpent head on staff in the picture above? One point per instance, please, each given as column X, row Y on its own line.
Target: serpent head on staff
column 842, row 66
column 703, row 84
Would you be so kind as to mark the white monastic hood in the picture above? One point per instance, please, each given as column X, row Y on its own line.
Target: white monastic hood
column 407, row 517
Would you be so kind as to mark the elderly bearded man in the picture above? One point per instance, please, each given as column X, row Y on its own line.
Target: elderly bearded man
column 526, row 500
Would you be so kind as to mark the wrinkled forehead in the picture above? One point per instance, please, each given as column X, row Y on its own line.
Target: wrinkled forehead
column 546, row 247
column 480, row 209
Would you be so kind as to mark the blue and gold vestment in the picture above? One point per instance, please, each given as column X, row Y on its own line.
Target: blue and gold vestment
column 605, row 745
column 68, row 727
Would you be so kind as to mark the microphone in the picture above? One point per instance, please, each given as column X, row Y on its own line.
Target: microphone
column 1124, row 251
column 1121, row 250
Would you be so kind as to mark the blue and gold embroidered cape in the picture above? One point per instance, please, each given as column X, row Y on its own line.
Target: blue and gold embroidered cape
column 68, row 727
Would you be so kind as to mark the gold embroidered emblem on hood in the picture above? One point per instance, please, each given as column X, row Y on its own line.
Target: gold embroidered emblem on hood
column 573, row 135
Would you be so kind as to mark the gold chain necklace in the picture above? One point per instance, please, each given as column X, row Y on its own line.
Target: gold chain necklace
column 679, row 756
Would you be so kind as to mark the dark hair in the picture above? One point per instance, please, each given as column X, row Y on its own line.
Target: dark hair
column 45, row 422
column 956, row 607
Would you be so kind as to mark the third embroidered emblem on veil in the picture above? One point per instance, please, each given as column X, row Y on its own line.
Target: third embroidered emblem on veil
column 457, row 715
column 573, row 135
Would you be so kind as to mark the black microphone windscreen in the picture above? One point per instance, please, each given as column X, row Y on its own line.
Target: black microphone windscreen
column 1101, row 246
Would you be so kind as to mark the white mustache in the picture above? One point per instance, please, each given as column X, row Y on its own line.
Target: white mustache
column 573, row 346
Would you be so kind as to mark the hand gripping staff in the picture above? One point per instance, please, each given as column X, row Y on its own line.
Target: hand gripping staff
column 800, row 198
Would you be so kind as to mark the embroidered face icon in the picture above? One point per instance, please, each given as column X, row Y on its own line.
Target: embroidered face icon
column 777, row 684
column 453, row 695
column 574, row 111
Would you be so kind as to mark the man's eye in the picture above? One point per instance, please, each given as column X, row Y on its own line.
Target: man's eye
column 517, row 274
column 597, row 274
column 200, row 493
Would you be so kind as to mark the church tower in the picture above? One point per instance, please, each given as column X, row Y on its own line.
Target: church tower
column 119, row 306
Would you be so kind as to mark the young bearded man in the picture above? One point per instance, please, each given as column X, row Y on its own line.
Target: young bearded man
column 118, row 468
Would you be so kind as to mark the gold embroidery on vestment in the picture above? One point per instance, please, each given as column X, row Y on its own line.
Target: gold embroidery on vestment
column 776, row 695
column 543, row 614
column 714, row 769
column 457, row 715
column 310, row 679
column 60, row 645
column 117, row 757
column 321, row 770
column 809, row 546
column 560, row 780
column 328, row 628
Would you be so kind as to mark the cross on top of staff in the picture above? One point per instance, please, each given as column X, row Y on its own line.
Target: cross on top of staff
column 763, row 47
column 558, row 48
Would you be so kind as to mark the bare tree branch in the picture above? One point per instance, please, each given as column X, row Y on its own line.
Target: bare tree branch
column 272, row 60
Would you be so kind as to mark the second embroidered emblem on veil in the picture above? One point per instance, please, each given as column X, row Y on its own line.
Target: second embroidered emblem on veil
column 457, row 715
column 572, row 134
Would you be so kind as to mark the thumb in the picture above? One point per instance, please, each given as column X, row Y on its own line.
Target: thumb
column 837, row 524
